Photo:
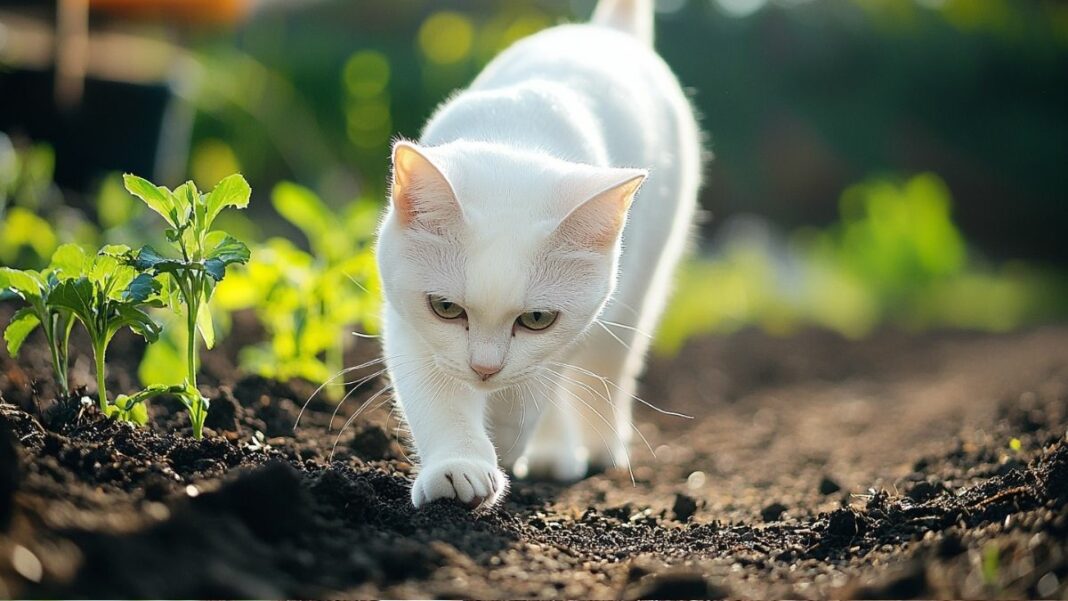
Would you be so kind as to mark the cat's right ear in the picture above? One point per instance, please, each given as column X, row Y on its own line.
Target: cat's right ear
column 421, row 194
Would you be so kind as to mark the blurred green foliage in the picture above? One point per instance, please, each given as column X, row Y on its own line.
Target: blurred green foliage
column 893, row 257
column 308, row 302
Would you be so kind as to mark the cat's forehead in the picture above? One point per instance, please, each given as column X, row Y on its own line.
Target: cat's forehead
column 498, row 270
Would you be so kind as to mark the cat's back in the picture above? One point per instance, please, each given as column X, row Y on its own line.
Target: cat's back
column 594, row 59
column 594, row 94
column 635, row 100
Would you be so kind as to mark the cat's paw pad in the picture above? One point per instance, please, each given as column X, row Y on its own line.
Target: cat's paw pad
column 559, row 463
column 474, row 483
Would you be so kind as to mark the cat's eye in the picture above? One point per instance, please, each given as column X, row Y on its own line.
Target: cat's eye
column 537, row 320
column 444, row 308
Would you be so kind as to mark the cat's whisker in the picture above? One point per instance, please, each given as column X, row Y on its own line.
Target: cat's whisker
column 357, row 282
column 522, row 420
column 612, row 427
column 353, row 417
column 626, row 327
column 358, row 384
column 363, row 335
column 347, row 370
column 356, row 414
column 619, row 388
column 617, row 301
column 607, row 399
column 612, row 334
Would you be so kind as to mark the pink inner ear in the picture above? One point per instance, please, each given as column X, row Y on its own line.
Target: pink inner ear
column 421, row 193
column 597, row 223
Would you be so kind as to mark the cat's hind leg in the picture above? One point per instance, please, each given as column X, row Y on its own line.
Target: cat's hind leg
column 554, row 448
column 603, row 375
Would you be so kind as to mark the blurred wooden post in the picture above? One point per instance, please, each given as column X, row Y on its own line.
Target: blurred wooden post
column 72, row 52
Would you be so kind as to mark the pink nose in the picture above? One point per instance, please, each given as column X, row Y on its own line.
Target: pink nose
column 485, row 371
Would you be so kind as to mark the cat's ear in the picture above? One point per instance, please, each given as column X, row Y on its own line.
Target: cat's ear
column 421, row 194
column 596, row 223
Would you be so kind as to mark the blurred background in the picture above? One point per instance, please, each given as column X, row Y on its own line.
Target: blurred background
column 877, row 163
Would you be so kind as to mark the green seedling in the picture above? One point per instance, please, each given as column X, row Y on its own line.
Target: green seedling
column 203, row 255
column 105, row 294
column 36, row 288
column 131, row 408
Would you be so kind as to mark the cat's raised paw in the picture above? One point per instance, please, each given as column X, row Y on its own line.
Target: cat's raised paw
column 474, row 483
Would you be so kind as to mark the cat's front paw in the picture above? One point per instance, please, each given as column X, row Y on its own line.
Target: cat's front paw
column 472, row 482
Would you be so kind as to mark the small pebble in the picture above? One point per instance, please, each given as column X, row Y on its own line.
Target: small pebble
column 773, row 512
column 828, row 486
column 26, row 564
column 684, row 508
column 1047, row 585
column 695, row 480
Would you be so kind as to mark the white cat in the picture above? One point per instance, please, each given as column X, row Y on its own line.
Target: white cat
column 505, row 242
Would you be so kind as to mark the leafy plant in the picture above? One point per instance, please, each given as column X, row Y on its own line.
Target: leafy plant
column 308, row 302
column 36, row 289
column 204, row 254
column 105, row 294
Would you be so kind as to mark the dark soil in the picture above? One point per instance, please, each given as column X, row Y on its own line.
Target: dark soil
column 930, row 466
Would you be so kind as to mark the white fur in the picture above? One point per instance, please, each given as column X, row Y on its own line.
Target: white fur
column 512, row 201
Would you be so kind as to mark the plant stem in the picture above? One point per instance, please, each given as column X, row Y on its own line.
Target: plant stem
column 64, row 353
column 197, row 414
column 57, row 367
column 102, row 392
column 58, row 357
column 191, row 343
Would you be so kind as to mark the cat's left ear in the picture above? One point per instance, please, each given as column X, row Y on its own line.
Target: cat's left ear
column 597, row 223
column 421, row 194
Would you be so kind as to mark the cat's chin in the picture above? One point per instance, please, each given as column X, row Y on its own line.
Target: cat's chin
column 491, row 385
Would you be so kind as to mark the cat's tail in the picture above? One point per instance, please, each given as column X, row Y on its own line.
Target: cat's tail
column 632, row 16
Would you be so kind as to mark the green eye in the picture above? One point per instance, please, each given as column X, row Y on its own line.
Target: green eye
column 537, row 320
column 445, row 309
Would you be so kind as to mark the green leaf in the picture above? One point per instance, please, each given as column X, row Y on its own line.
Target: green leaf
column 76, row 296
column 148, row 259
column 301, row 207
column 204, row 323
column 27, row 284
column 69, row 261
column 228, row 252
column 186, row 197
column 140, row 288
column 157, row 198
column 22, row 323
column 129, row 409
column 138, row 414
column 137, row 320
column 232, row 191
column 118, row 251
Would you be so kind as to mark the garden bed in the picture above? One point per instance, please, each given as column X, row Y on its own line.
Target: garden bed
column 931, row 466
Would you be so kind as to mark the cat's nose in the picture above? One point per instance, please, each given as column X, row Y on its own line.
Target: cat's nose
column 485, row 371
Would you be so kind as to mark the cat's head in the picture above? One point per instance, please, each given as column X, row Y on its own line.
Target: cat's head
column 500, row 259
